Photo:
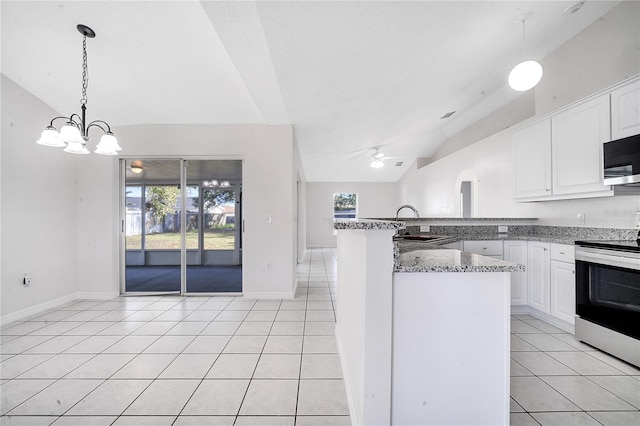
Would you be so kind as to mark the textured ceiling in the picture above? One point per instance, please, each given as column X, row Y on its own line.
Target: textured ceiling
column 348, row 76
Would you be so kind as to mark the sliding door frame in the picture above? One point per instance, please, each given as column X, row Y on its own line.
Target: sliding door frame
column 183, row 220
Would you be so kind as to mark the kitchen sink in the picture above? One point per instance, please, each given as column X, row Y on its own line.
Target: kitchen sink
column 419, row 237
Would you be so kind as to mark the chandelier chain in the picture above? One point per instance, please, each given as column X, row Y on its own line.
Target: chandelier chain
column 85, row 71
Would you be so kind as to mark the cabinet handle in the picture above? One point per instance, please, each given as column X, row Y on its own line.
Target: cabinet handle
column 561, row 252
column 547, row 189
column 545, row 249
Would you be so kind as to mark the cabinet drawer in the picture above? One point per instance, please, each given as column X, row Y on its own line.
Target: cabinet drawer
column 485, row 248
column 563, row 253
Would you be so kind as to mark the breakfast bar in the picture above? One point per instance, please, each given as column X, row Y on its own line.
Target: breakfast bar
column 423, row 336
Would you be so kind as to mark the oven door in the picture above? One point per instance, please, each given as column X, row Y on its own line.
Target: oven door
column 608, row 289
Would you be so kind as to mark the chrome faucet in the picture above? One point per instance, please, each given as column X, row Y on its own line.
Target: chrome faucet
column 416, row 215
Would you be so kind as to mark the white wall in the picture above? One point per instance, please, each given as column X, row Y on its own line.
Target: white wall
column 300, row 213
column 268, row 185
column 38, row 209
column 374, row 200
column 577, row 69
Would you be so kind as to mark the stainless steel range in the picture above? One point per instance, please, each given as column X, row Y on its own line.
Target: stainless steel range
column 608, row 297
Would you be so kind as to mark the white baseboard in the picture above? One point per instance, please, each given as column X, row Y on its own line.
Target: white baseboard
column 89, row 295
column 41, row 307
column 563, row 325
column 36, row 309
column 269, row 295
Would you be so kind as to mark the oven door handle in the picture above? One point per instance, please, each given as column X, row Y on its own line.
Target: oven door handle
column 606, row 259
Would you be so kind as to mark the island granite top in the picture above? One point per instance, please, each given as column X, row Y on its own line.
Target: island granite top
column 451, row 261
column 368, row 224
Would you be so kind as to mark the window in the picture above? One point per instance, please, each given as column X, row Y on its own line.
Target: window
column 345, row 206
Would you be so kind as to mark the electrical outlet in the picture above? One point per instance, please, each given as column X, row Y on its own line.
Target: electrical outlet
column 637, row 220
column 503, row 228
column 269, row 266
column 425, row 228
column 580, row 218
column 26, row 279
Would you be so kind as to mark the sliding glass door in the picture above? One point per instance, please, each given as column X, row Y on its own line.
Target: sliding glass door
column 214, row 212
column 177, row 241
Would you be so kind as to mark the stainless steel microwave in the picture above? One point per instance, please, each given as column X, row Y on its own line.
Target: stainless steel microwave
column 622, row 161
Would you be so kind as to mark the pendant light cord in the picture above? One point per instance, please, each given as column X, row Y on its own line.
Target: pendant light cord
column 524, row 43
column 85, row 71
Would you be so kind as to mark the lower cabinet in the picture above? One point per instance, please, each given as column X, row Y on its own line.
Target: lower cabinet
column 516, row 252
column 563, row 283
column 538, row 279
column 547, row 285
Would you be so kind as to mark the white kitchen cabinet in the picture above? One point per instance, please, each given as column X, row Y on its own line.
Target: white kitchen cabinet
column 516, row 252
column 538, row 279
column 562, row 283
column 625, row 111
column 563, row 291
column 577, row 136
column 531, row 147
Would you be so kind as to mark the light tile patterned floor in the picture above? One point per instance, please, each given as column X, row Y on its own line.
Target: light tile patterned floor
column 180, row 361
column 557, row 380
column 224, row 361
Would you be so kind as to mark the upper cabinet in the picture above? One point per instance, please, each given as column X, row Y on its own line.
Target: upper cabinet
column 559, row 156
column 578, row 134
column 625, row 111
column 532, row 155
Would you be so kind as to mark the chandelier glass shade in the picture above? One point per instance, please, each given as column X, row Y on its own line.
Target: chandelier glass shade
column 528, row 73
column 74, row 134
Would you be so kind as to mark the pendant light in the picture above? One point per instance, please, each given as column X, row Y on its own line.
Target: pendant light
column 526, row 74
column 74, row 135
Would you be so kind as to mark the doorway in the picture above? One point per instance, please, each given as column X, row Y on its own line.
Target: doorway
column 180, row 226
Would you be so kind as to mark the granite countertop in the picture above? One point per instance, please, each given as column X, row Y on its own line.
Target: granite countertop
column 462, row 219
column 451, row 261
column 368, row 224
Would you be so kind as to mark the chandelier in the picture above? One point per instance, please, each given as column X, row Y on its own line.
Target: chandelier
column 74, row 134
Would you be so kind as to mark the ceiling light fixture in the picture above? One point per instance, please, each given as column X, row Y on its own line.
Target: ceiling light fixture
column 136, row 167
column 214, row 183
column 528, row 73
column 74, row 135
column 376, row 159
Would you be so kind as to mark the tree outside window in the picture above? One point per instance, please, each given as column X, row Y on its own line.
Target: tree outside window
column 345, row 206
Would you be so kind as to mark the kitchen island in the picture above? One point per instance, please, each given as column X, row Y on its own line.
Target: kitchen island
column 423, row 336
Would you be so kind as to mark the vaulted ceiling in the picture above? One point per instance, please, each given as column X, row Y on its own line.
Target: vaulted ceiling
column 349, row 76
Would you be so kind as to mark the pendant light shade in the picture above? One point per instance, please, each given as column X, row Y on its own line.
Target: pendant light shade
column 50, row 137
column 76, row 147
column 70, row 133
column 108, row 145
column 525, row 76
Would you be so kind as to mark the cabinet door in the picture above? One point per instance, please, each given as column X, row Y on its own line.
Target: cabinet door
column 532, row 160
column 516, row 252
column 538, row 275
column 563, row 291
column 625, row 111
column 578, row 134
